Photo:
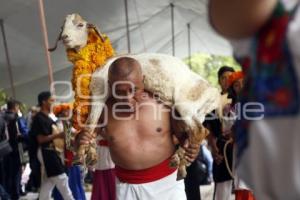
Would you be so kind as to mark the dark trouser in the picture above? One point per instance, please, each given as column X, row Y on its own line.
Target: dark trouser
column 2, row 172
column 13, row 171
column 3, row 194
column 192, row 189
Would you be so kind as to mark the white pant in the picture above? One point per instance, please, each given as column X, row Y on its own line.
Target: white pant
column 61, row 182
column 223, row 190
column 270, row 164
column 166, row 188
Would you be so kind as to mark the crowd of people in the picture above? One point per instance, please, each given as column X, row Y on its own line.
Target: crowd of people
column 135, row 154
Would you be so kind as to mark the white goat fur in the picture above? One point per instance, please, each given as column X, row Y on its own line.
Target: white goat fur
column 168, row 77
column 74, row 33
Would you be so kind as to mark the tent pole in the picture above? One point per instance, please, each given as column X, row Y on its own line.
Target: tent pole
column 46, row 44
column 9, row 67
column 173, row 29
column 127, row 26
column 189, row 43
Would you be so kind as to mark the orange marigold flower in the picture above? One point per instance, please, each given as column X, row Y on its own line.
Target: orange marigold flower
column 86, row 61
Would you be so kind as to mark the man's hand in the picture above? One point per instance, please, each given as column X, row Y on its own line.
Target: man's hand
column 83, row 145
column 217, row 157
column 61, row 135
column 192, row 151
column 84, row 138
column 238, row 19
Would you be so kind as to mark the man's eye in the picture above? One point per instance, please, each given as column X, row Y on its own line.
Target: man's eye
column 80, row 25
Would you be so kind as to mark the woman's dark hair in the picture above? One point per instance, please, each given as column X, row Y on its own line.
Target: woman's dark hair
column 224, row 69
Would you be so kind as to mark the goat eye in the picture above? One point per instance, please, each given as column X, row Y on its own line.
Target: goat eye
column 80, row 25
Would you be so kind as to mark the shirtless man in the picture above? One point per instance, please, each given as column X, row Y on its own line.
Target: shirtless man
column 139, row 134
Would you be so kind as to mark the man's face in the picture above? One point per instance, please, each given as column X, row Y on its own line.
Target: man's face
column 48, row 103
column 16, row 108
column 238, row 85
column 223, row 81
column 127, row 92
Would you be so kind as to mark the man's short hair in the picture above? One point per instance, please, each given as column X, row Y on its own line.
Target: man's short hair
column 123, row 67
column 224, row 69
column 12, row 103
column 43, row 96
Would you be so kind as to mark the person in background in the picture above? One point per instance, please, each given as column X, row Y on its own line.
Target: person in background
column 199, row 173
column 104, row 177
column 265, row 39
column 34, row 181
column 63, row 112
column 223, row 75
column 17, row 131
column 3, row 137
column 32, row 112
column 236, row 84
column 45, row 131
column 208, row 158
column 23, row 145
column 217, row 140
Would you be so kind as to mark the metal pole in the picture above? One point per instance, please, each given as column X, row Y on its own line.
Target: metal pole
column 173, row 29
column 127, row 26
column 189, row 43
column 9, row 67
column 46, row 44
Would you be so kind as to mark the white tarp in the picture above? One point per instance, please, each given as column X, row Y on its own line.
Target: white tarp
column 150, row 31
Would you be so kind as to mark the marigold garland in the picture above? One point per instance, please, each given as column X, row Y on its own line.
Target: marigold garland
column 57, row 109
column 86, row 61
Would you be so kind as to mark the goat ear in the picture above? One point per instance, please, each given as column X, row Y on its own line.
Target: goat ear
column 96, row 30
column 78, row 18
column 57, row 39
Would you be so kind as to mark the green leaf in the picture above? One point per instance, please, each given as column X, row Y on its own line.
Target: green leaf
column 208, row 65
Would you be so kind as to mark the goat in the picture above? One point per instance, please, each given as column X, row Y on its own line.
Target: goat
column 166, row 76
column 74, row 32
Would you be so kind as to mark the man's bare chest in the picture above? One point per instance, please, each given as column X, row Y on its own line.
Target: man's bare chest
column 146, row 122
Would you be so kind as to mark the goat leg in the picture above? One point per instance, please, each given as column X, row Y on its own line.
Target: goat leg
column 196, row 136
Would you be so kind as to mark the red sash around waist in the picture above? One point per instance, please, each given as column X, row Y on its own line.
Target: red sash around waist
column 68, row 158
column 145, row 175
column 103, row 143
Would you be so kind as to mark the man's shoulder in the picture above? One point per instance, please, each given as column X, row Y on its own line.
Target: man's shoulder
column 41, row 117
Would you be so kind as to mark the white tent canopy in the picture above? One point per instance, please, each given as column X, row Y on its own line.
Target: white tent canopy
column 150, row 31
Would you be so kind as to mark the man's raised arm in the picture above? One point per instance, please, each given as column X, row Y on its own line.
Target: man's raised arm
column 239, row 18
